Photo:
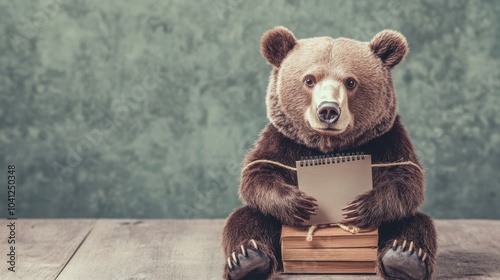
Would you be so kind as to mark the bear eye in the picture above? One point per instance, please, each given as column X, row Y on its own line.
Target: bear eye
column 350, row 83
column 309, row 81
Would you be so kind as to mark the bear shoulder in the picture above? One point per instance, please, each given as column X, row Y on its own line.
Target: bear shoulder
column 392, row 146
column 273, row 145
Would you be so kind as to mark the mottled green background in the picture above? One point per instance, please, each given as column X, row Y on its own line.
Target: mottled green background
column 70, row 70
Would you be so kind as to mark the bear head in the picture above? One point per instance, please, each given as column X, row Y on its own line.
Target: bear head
column 332, row 94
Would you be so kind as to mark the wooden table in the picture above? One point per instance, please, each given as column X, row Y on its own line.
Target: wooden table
column 189, row 249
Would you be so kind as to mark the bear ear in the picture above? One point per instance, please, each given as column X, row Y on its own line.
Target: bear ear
column 276, row 43
column 390, row 46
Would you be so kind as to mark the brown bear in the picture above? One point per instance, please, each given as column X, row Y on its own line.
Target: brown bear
column 329, row 96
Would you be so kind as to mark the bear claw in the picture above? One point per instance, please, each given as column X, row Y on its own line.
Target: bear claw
column 400, row 262
column 243, row 250
column 254, row 244
column 250, row 263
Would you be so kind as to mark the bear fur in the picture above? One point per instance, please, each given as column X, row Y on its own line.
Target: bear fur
column 356, row 76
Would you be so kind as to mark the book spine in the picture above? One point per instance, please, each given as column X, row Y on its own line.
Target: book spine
column 329, row 267
column 337, row 254
column 329, row 242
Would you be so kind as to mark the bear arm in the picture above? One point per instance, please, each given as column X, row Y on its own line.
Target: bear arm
column 397, row 191
column 269, row 188
column 264, row 189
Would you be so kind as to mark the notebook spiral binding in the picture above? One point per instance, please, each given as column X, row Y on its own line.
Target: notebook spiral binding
column 330, row 159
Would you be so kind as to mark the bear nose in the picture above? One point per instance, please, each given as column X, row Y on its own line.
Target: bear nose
column 328, row 112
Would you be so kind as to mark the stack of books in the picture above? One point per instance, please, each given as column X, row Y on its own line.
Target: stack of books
column 332, row 250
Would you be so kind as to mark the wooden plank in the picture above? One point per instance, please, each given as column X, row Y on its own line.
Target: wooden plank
column 339, row 254
column 149, row 249
column 468, row 249
column 43, row 247
column 179, row 249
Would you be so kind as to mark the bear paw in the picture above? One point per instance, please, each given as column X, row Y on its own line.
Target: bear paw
column 400, row 262
column 250, row 263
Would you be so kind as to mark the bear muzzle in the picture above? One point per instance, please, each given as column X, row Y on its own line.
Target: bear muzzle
column 328, row 112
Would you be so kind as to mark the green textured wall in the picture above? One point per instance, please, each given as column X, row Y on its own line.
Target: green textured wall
column 146, row 108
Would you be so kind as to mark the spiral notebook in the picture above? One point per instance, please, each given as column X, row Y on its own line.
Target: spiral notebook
column 334, row 181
